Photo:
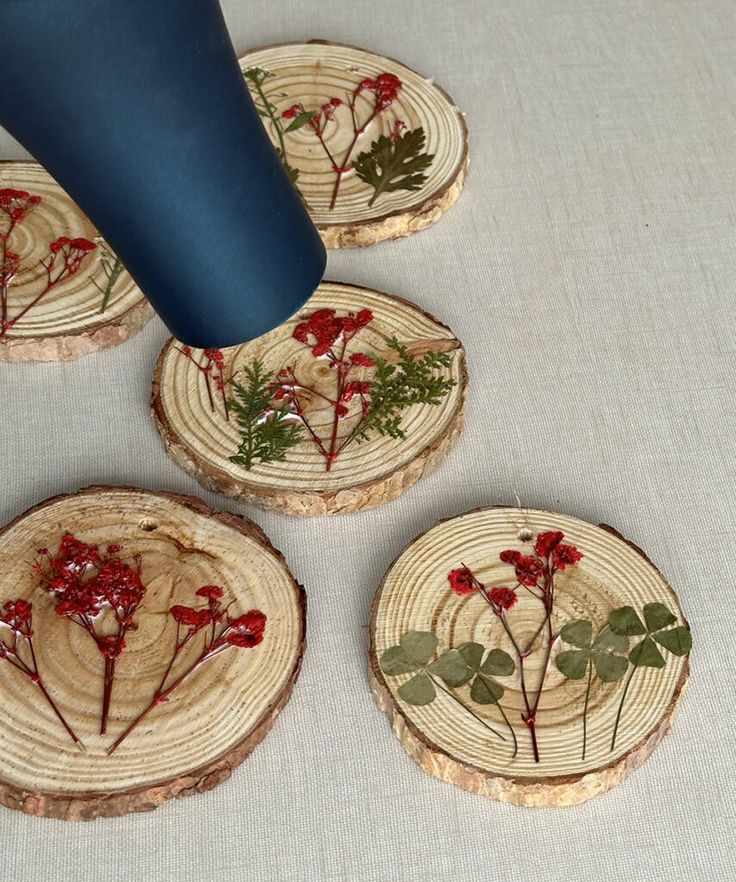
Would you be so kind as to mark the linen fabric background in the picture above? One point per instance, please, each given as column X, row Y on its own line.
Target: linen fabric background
column 589, row 267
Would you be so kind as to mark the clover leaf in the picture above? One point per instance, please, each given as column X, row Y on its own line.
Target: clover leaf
column 654, row 629
column 483, row 689
column 413, row 655
column 601, row 652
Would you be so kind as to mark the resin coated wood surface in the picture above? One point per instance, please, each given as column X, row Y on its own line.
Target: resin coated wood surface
column 321, row 77
column 69, row 320
column 449, row 737
column 209, row 723
column 190, row 412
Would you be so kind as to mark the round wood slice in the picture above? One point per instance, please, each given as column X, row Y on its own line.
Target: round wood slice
column 200, row 439
column 446, row 740
column 209, row 724
column 311, row 74
column 68, row 322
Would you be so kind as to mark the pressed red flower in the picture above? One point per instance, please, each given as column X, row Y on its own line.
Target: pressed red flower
column 248, row 629
column 341, row 410
column 59, row 243
column 462, row 581
column 502, row 597
column 335, row 102
column 18, row 616
column 360, row 359
column 547, row 541
column 356, row 387
column 528, row 568
column 292, row 111
column 216, row 356
column 211, row 592
column 84, row 582
column 82, row 244
column 194, row 619
column 565, row 556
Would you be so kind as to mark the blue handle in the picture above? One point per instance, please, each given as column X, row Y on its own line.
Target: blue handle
column 140, row 111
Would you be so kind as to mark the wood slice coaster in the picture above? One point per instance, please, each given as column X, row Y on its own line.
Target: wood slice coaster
column 189, row 412
column 444, row 667
column 209, row 724
column 330, row 130
column 68, row 321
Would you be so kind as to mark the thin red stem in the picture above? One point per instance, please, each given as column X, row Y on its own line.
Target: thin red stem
column 161, row 694
column 340, row 170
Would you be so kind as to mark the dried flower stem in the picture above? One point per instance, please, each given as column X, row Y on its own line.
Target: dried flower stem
column 437, row 682
column 212, row 368
column 18, row 616
column 221, row 633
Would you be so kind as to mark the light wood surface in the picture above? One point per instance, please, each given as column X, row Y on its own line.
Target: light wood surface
column 200, row 439
column 312, row 73
column 67, row 322
column 209, row 724
column 452, row 745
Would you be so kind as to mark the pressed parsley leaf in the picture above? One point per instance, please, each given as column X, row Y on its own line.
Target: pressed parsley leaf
column 266, row 434
column 394, row 387
column 394, row 165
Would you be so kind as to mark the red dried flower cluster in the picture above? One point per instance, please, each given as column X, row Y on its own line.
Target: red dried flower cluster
column 221, row 632
column 324, row 328
column 385, row 88
column 328, row 336
column 16, row 648
column 17, row 203
column 18, row 616
column 96, row 591
column 211, row 365
column 464, row 582
column 535, row 573
column 64, row 260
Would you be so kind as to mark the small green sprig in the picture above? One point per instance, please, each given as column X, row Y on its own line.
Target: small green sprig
column 112, row 267
column 394, row 387
column 267, row 433
column 256, row 77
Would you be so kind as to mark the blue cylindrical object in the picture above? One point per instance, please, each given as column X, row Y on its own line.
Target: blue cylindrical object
column 140, row 111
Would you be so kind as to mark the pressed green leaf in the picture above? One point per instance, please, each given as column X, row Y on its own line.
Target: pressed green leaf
column 419, row 690
column 299, row 121
column 452, row 668
column 678, row 640
column 485, row 690
column 498, row 663
column 419, row 645
column 657, row 616
column 472, row 653
column 578, row 632
column 609, row 640
column 609, row 667
column 626, row 621
column 396, row 661
column 394, row 164
column 267, row 434
column 646, row 655
column 395, row 387
column 573, row 663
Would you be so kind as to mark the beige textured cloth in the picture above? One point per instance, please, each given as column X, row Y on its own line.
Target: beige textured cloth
column 590, row 269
